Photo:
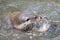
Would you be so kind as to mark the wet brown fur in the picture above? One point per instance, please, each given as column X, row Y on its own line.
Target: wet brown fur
column 14, row 19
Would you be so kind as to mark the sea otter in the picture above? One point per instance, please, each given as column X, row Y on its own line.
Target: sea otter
column 28, row 21
column 23, row 20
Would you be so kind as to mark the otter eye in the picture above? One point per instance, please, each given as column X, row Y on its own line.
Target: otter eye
column 27, row 20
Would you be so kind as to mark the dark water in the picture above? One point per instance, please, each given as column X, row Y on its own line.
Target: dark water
column 50, row 8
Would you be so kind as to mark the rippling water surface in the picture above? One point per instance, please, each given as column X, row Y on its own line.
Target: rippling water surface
column 51, row 9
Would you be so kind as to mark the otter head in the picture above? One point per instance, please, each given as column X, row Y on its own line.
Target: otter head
column 25, row 21
column 30, row 19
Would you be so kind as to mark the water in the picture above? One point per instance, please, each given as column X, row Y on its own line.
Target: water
column 50, row 8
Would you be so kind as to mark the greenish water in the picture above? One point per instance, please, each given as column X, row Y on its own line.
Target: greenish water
column 49, row 8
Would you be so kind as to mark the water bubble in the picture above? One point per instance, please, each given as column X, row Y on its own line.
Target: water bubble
column 30, row 37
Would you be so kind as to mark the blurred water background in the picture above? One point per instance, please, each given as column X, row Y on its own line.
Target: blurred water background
column 49, row 8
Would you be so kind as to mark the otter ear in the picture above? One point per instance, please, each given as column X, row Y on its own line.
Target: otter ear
column 35, row 17
column 40, row 17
